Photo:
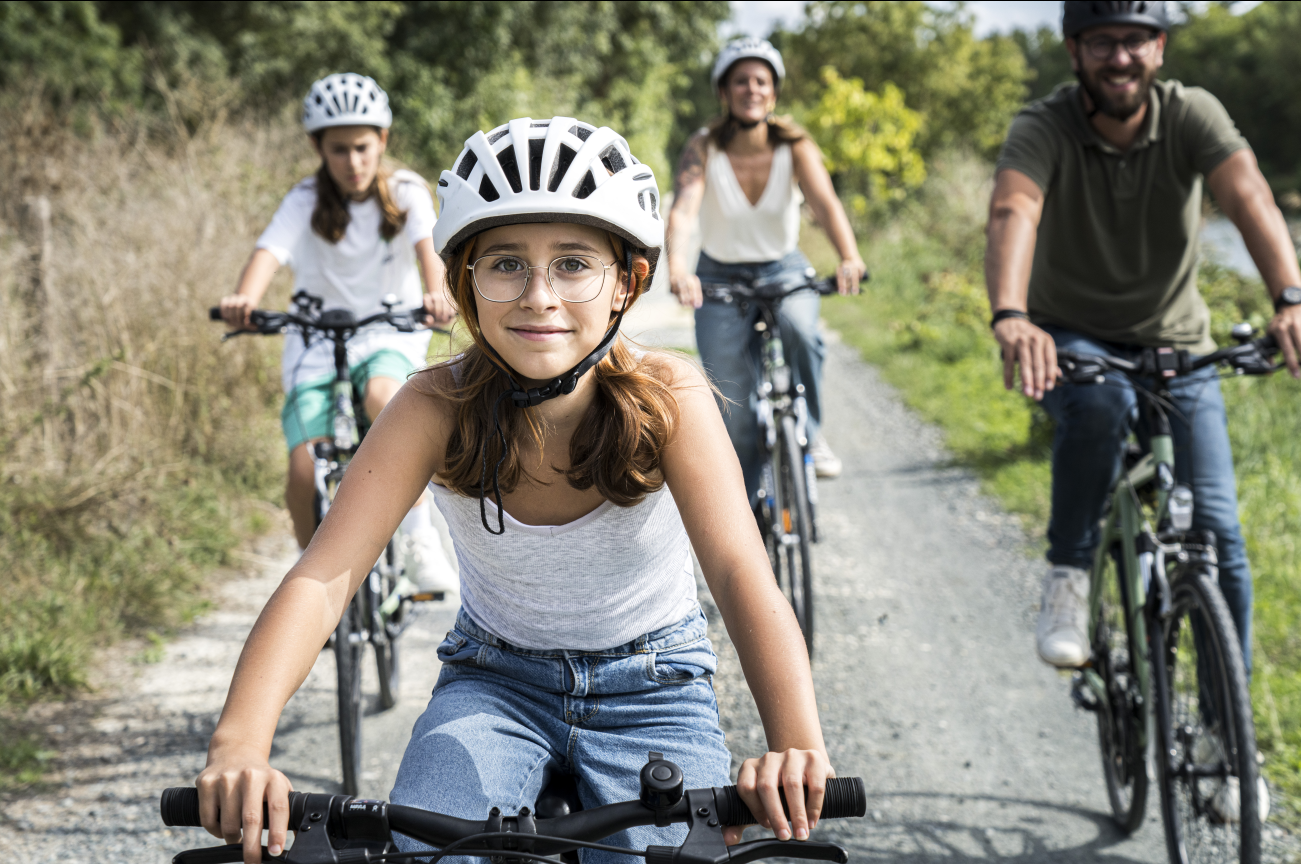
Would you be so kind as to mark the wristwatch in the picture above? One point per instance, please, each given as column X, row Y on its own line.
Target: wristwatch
column 1290, row 296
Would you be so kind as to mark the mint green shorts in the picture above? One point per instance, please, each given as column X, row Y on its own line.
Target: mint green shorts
column 306, row 414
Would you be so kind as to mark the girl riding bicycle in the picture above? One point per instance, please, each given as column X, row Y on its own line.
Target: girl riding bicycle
column 354, row 233
column 576, row 474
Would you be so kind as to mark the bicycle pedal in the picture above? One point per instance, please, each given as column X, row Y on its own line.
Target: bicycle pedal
column 1081, row 695
column 427, row 596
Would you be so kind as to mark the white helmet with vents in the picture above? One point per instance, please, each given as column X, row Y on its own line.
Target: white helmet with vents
column 346, row 99
column 557, row 170
column 747, row 48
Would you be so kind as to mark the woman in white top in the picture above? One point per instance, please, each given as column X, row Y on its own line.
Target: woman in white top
column 739, row 183
column 353, row 233
column 572, row 498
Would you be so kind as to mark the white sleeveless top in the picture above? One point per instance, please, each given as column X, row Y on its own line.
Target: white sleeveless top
column 595, row 583
column 734, row 231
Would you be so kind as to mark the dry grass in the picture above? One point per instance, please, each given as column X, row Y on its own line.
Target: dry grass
column 129, row 436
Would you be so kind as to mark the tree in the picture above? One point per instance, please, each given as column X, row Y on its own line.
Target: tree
column 967, row 89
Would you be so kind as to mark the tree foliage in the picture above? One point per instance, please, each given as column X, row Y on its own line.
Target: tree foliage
column 966, row 88
column 867, row 140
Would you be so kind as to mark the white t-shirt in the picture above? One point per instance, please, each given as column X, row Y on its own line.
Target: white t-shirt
column 358, row 271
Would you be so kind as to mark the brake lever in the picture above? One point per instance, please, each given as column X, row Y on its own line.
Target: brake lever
column 742, row 853
column 232, row 854
column 705, row 843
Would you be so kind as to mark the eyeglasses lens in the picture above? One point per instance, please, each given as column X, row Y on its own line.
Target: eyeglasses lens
column 1103, row 47
column 503, row 278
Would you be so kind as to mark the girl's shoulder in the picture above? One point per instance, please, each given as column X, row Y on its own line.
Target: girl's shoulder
column 676, row 370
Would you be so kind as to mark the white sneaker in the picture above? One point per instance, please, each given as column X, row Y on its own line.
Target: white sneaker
column 1062, row 632
column 1226, row 794
column 426, row 563
column 825, row 463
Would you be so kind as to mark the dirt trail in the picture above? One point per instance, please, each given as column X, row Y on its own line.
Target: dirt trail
column 925, row 669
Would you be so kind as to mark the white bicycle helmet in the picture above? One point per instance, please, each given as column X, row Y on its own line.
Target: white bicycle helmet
column 747, row 48
column 560, row 170
column 346, row 99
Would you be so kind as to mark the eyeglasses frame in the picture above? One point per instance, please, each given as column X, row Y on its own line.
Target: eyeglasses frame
column 528, row 275
column 1139, row 52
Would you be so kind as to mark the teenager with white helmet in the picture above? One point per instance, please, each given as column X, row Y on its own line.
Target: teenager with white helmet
column 353, row 233
column 745, row 173
column 576, row 474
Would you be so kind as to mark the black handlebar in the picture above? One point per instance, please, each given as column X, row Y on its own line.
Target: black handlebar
column 846, row 797
column 333, row 321
column 1251, row 357
column 775, row 289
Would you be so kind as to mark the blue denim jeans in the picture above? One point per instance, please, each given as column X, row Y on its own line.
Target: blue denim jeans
column 503, row 719
column 730, row 351
column 1093, row 420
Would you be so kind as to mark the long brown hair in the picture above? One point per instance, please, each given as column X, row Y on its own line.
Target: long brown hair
column 330, row 217
column 615, row 448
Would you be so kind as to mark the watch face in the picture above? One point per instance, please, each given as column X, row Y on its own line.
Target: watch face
column 1290, row 297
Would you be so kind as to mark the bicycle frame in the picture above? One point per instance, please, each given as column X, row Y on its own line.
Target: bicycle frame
column 776, row 397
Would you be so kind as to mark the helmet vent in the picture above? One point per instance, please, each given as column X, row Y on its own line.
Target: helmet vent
column 487, row 191
column 442, row 182
column 563, row 160
column 645, row 175
column 540, row 125
column 509, row 167
column 467, row 165
column 535, row 162
column 649, row 202
column 582, row 132
column 612, row 160
column 498, row 135
column 587, row 187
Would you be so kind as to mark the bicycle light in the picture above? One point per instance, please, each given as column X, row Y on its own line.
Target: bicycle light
column 1181, row 508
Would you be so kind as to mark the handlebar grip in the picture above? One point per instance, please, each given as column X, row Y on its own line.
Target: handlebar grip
column 214, row 313
column 845, row 797
column 179, row 807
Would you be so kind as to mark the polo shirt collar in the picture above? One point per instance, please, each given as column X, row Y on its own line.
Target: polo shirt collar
column 1147, row 136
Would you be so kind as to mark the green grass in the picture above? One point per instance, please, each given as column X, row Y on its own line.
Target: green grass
column 923, row 322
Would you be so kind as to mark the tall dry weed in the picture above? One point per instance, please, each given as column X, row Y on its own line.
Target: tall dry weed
column 126, row 429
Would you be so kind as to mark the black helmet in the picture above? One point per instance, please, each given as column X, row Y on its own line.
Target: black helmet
column 1079, row 15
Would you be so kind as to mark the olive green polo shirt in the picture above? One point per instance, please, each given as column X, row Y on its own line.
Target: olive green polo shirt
column 1116, row 256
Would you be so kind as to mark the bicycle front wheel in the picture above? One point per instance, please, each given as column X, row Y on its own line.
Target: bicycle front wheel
column 1122, row 720
column 798, row 524
column 1209, row 794
column 347, row 658
column 383, row 636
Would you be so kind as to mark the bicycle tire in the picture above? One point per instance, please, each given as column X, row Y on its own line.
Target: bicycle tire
column 386, row 644
column 1120, row 721
column 1206, row 688
column 799, row 556
column 347, row 659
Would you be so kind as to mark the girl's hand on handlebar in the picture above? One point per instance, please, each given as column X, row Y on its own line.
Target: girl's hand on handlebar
column 440, row 307
column 1025, row 344
column 236, row 309
column 849, row 274
column 686, row 287
column 232, row 789
column 760, row 780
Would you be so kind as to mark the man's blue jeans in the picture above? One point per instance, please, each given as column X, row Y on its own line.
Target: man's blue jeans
column 503, row 719
column 1093, row 420
column 730, row 351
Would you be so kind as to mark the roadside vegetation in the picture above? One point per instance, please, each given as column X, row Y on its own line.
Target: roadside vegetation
column 924, row 321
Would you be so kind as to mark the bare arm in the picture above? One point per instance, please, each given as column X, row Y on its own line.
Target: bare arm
column 1244, row 195
column 254, row 280
column 1014, row 212
column 829, row 213
column 684, row 219
column 705, row 478
column 401, row 452
column 437, row 301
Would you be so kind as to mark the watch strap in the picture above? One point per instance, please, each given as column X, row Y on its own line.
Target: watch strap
column 1004, row 314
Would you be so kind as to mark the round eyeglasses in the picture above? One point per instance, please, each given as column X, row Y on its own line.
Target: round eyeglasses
column 503, row 278
column 1137, row 46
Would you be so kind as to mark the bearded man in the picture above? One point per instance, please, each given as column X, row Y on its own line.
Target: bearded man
column 1093, row 247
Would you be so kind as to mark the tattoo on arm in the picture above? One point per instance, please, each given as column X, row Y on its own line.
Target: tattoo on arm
column 691, row 167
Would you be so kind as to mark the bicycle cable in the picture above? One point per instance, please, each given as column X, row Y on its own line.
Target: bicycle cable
column 507, row 853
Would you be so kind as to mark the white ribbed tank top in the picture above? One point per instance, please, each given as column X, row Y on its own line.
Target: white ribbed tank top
column 595, row 583
column 733, row 230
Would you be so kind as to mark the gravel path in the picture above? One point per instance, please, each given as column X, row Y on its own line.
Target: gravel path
column 925, row 670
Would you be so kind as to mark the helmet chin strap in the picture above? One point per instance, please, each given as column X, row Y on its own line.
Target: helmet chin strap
column 527, row 398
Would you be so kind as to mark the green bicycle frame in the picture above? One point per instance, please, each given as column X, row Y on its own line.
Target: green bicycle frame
column 1124, row 524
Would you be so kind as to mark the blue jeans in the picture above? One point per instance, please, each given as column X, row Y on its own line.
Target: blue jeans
column 503, row 719
column 1092, row 421
column 730, row 351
